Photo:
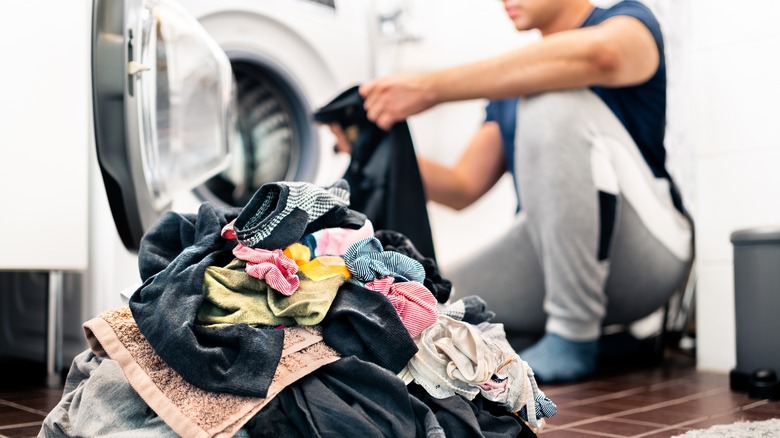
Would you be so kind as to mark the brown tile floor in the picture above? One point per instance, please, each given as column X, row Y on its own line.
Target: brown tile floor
column 658, row 401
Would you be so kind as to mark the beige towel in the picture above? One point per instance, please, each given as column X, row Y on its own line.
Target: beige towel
column 189, row 410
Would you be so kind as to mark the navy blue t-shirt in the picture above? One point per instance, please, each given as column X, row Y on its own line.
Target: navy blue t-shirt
column 640, row 108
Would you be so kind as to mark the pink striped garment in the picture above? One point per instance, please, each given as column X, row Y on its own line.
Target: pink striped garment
column 273, row 266
column 414, row 303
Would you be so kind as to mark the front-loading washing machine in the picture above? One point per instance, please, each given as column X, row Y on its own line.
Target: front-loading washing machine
column 283, row 58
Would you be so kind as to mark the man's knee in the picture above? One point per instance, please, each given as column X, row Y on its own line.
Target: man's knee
column 561, row 107
column 552, row 124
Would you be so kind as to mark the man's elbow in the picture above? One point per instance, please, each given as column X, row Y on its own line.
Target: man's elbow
column 461, row 201
column 613, row 66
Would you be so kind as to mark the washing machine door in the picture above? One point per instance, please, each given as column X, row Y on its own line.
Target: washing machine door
column 163, row 108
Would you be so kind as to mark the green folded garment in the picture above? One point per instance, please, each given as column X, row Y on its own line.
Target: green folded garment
column 234, row 297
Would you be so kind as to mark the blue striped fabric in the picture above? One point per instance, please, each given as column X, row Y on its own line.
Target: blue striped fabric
column 366, row 261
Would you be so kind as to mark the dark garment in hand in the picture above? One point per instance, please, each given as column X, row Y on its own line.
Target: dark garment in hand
column 395, row 241
column 383, row 174
column 172, row 260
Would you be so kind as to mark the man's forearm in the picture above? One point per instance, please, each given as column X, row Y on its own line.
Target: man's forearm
column 442, row 185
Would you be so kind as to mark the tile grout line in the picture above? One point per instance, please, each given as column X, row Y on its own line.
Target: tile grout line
column 22, row 407
column 16, row 426
column 673, row 426
column 602, row 398
column 593, row 433
column 755, row 404
column 637, row 422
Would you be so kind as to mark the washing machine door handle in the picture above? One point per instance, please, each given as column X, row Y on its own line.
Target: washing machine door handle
column 163, row 108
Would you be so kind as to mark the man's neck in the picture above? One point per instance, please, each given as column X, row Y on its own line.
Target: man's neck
column 571, row 17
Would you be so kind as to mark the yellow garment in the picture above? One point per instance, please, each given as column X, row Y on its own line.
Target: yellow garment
column 324, row 267
column 301, row 254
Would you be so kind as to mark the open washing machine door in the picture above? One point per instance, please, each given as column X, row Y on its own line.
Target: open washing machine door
column 163, row 103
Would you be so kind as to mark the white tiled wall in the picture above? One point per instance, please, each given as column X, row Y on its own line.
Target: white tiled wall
column 733, row 92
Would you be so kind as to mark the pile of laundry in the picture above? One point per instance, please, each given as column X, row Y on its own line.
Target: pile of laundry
column 294, row 317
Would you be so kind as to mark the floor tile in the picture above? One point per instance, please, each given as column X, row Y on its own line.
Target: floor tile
column 665, row 416
column 771, row 407
column 665, row 433
column 565, row 417
column 571, row 434
column 715, row 404
column 618, row 428
column 595, row 409
column 10, row 415
column 43, row 399
column 21, row 432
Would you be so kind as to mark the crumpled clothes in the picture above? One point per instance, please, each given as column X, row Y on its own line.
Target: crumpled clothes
column 336, row 241
column 394, row 241
column 416, row 305
column 231, row 297
column 320, row 268
column 366, row 260
column 472, row 309
column 521, row 393
column 273, row 266
column 279, row 213
column 453, row 358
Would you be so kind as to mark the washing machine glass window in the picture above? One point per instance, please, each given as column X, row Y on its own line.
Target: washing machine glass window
column 275, row 138
column 189, row 102
column 164, row 108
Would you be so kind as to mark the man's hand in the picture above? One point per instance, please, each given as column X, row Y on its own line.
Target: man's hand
column 396, row 97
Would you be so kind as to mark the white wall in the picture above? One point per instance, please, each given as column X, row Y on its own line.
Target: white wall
column 734, row 93
column 43, row 136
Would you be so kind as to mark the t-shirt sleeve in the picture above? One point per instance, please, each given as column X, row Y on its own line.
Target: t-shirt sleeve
column 492, row 111
column 642, row 13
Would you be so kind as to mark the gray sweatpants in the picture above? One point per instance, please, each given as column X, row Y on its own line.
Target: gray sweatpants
column 598, row 241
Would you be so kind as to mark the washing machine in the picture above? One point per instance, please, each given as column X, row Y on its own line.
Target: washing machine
column 162, row 106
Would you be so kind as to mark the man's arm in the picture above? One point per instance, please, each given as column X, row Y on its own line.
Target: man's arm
column 618, row 52
column 478, row 169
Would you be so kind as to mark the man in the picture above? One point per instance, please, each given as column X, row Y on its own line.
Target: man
column 601, row 237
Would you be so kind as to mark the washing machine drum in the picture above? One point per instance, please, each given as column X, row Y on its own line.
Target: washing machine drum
column 275, row 138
